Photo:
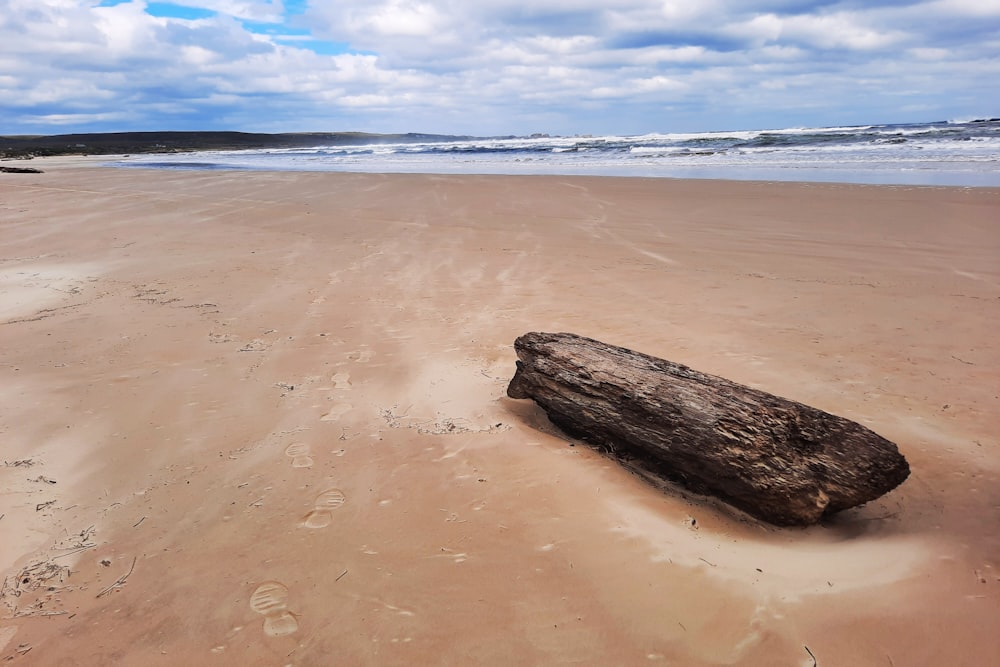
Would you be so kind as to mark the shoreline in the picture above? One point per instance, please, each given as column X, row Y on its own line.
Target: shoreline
column 758, row 175
column 95, row 161
column 199, row 359
column 982, row 180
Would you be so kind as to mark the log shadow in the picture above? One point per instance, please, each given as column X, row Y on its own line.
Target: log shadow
column 882, row 517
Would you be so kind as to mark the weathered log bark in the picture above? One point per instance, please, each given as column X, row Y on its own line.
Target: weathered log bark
column 778, row 460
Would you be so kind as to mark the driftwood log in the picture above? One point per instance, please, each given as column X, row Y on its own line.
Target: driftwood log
column 20, row 170
column 778, row 460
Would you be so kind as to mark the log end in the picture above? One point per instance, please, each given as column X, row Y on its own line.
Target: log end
column 518, row 387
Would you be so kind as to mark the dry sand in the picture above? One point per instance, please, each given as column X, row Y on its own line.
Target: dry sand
column 260, row 419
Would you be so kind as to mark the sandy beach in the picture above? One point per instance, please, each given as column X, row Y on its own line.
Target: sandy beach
column 259, row 418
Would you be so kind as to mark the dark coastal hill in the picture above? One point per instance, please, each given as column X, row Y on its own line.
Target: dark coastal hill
column 116, row 143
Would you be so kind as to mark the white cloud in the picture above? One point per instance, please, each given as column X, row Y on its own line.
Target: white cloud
column 980, row 8
column 840, row 30
column 125, row 28
column 561, row 45
column 494, row 66
column 929, row 53
column 369, row 101
column 654, row 85
column 58, row 120
column 404, row 18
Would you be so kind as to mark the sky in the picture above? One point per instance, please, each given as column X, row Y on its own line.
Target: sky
column 493, row 67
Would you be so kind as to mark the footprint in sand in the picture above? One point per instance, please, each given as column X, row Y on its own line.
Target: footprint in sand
column 361, row 356
column 322, row 515
column 300, row 455
column 270, row 600
column 341, row 381
column 336, row 412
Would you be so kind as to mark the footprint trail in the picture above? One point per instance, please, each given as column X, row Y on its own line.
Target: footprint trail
column 270, row 600
column 322, row 515
column 300, row 455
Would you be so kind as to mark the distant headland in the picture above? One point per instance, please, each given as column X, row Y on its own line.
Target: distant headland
column 117, row 143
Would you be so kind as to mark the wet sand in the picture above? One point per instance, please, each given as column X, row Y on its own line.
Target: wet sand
column 259, row 418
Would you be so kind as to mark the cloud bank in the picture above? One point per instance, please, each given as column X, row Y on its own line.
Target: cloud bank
column 493, row 66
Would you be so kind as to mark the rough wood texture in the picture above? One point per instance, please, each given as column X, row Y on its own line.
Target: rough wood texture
column 778, row 460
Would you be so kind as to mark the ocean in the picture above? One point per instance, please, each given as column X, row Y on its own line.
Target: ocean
column 943, row 153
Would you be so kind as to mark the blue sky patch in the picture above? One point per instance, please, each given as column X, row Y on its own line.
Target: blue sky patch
column 276, row 29
column 172, row 11
column 298, row 38
column 316, row 46
column 639, row 40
